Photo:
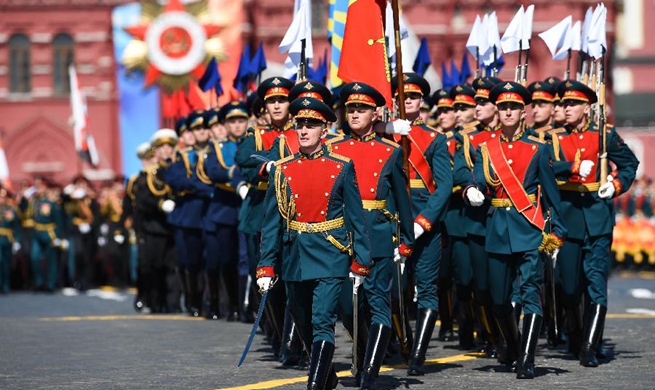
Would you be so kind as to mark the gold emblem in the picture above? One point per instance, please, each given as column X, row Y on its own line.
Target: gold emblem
column 45, row 209
column 405, row 77
column 356, row 87
column 508, row 87
column 306, row 103
column 480, row 82
column 569, row 84
column 9, row 216
column 459, row 88
column 235, row 103
column 276, row 81
column 309, row 86
column 538, row 85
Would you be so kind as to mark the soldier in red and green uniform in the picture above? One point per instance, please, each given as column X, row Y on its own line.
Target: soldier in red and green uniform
column 588, row 213
column 10, row 236
column 515, row 170
column 543, row 108
column 312, row 207
column 431, row 182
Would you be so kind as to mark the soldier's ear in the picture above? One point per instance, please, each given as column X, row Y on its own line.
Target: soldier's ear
column 587, row 108
column 523, row 114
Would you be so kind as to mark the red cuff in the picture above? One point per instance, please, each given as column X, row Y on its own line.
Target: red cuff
column 265, row 271
column 424, row 222
column 618, row 187
column 560, row 239
column 262, row 171
column 405, row 250
column 359, row 269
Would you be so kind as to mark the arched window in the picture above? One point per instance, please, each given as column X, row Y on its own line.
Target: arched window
column 62, row 56
column 20, row 77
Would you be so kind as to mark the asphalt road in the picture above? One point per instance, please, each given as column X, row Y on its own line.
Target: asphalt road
column 96, row 341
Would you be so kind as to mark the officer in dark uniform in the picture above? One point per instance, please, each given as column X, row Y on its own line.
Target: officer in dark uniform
column 383, row 189
column 153, row 202
column 274, row 93
column 588, row 213
column 186, row 218
column 10, row 235
column 516, row 172
column 218, row 173
column 311, row 232
column 431, row 183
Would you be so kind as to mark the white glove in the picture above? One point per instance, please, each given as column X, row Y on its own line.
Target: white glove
column 418, row 231
column 69, row 189
column 397, row 257
column 243, row 191
column 475, row 197
column 64, row 244
column 119, row 238
column 606, row 191
column 15, row 247
column 84, row 228
column 102, row 241
column 167, row 206
column 269, row 165
column 264, row 283
column 357, row 281
column 29, row 192
column 399, row 126
column 56, row 242
column 585, row 168
column 78, row 194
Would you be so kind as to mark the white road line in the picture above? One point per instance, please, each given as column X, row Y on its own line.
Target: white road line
column 641, row 311
column 641, row 293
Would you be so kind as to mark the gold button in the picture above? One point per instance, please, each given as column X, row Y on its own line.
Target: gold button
column 375, row 174
column 372, row 143
column 493, row 135
column 338, row 166
column 508, row 208
column 432, row 135
column 300, row 214
column 510, row 146
column 332, row 176
column 448, row 143
column 352, row 143
column 322, row 212
column 322, row 160
column 288, row 178
column 581, row 136
column 388, row 149
column 372, row 189
column 327, row 194
column 295, row 195
column 510, row 161
column 299, row 161
column 582, row 150
column 560, row 137
column 380, row 160
column 336, row 147
column 285, row 167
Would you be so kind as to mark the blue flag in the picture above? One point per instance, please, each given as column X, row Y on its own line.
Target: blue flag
column 500, row 62
column 465, row 71
column 422, row 61
column 240, row 82
column 258, row 63
column 454, row 73
column 446, row 80
column 211, row 78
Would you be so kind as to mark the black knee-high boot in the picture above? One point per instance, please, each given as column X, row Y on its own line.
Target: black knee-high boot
column 375, row 349
column 425, row 322
column 531, row 330
column 320, row 366
column 594, row 324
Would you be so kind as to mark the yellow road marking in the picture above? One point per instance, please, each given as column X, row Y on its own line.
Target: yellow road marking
column 628, row 315
column 637, row 274
column 301, row 379
column 124, row 317
column 131, row 290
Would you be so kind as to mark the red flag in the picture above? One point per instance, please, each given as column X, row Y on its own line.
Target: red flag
column 364, row 54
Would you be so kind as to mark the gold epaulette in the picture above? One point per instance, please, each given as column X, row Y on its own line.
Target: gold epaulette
column 339, row 157
column 130, row 186
column 449, row 134
column 470, row 124
column 389, row 142
column 557, row 131
column 332, row 140
column 467, row 130
column 543, row 129
column 284, row 160
column 536, row 139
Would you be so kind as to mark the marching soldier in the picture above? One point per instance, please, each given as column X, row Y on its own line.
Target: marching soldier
column 559, row 118
column 321, row 238
column 516, row 172
column 431, row 183
column 383, row 187
column 588, row 212
column 183, row 133
column 10, row 235
column 543, row 108
column 187, row 216
column 156, row 247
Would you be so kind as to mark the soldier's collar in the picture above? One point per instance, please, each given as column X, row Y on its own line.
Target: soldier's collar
column 495, row 128
column 312, row 156
column 418, row 121
column 366, row 138
column 199, row 149
column 584, row 128
column 516, row 137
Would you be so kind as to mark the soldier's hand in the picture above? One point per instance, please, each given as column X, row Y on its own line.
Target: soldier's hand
column 64, row 245
column 119, row 238
column 606, row 191
column 269, row 165
column 55, row 243
column 475, row 197
column 264, row 283
column 397, row 257
column 418, row 231
column 15, row 247
column 585, row 168
column 168, row 206
column 243, row 191
column 84, row 228
column 357, row 281
column 399, row 126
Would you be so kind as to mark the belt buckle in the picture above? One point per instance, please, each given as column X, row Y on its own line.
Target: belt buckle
column 310, row 228
column 582, row 188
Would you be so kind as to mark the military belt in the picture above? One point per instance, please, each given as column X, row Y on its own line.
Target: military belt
column 416, row 183
column 374, row 204
column 7, row 232
column 44, row 226
column 227, row 187
column 457, row 189
column 77, row 221
column 262, row 186
column 578, row 187
column 316, row 227
column 507, row 202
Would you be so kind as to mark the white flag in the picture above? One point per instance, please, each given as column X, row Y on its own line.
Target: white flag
column 301, row 28
column 526, row 28
column 597, row 37
column 576, row 31
column 475, row 43
column 493, row 40
column 584, row 39
column 391, row 35
column 78, row 108
column 511, row 40
column 557, row 38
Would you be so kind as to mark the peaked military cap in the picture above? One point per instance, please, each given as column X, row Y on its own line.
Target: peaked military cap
column 360, row 93
column 313, row 89
column 144, row 150
column 542, row 91
column 274, row 86
column 234, row 109
column 311, row 108
column 163, row 137
column 463, row 94
column 180, row 125
column 483, row 86
column 412, row 83
column 509, row 91
column 575, row 90
column 195, row 119
column 210, row 117
column 442, row 98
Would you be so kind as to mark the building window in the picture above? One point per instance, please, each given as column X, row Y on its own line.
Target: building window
column 319, row 17
column 20, row 77
column 62, row 56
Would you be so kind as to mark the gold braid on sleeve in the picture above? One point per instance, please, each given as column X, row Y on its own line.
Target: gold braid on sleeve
column 466, row 144
column 187, row 163
column 556, row 147
column 219, row 155
column 200, row 170
column 152, row 182
column 486, row 163
column 285, row 204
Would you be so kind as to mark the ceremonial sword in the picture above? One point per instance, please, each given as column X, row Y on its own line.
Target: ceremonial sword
column 260, row 310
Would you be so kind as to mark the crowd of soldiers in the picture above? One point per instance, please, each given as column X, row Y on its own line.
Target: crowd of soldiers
column 310, row 198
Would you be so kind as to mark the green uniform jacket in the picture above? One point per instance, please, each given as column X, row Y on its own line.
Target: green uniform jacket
column 9, row 225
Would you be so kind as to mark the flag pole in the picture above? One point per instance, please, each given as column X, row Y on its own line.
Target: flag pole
column 477, row 62
column 404, row 142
